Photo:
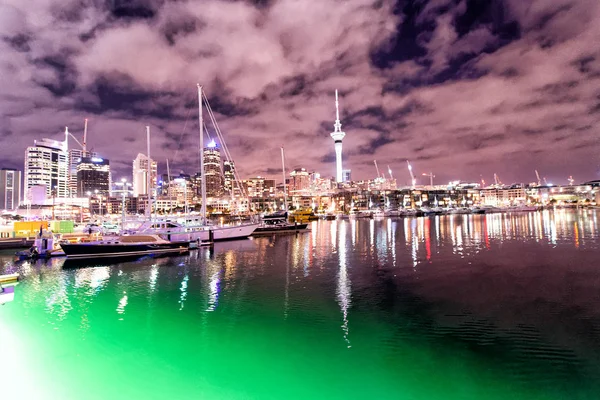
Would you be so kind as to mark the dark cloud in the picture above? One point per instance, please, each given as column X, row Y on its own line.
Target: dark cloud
column 446, row 84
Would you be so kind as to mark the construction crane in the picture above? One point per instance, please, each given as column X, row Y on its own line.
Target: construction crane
column 538, row 178
column 431, row 176
column 413, row 181
column 377, row 168
column 83, row 145
column 482, row 181
column 496, row 179
column 571, row 181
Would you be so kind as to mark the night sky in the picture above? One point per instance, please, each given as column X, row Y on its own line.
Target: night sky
column 463, row 88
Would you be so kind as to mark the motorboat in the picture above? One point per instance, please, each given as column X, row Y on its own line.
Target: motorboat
column 173, row 231
column 278, row 223
column 128, row 245
column 360, row 214
column 378, row 213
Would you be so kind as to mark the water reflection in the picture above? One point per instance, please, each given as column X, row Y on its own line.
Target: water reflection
column 343, row 282
column 515, row 292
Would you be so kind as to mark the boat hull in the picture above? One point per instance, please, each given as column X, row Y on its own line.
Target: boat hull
column 91, row 250
column 233, row 232
column 268, row 230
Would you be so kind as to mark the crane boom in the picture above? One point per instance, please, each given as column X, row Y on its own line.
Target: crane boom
column 538, row 178
column 390, row 172
column 377, row 168
column 413, row 181
column 84, row 136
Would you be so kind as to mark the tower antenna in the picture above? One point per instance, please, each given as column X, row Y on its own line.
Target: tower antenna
column 337, row 136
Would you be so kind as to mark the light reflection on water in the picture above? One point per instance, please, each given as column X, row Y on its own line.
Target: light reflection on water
column 513, row 294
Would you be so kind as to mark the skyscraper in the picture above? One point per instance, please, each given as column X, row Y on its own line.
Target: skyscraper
column 75, row 156
column 47, row 164
column 140, row 175
column 93, row 174
column 337, row 136
column 10, row 188
column 212, row 170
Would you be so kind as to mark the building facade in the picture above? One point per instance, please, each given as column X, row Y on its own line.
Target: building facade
column 75, row 156
column 229, row 176
column 300, row 181
column 47, row 164
column 10, row 189
column 93, row 176
column 140, row 175
column 212, row 170
column 259, row 187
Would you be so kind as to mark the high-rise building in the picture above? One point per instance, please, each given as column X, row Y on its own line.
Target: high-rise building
column 10, row 188
column 140, row 175
column 228, row 175
column 47, row 164
column 337, row 136
column 300, row 180
column 212, row 170
column 93, row 176
column 75, row 156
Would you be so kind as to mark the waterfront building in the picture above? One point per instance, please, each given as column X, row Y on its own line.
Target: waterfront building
column 47, row 164
column 75, row 156
column 212, row 169
column 10, row 189
column 93, row 176
column 140, row 175
column 337, row 136
column 503, row 196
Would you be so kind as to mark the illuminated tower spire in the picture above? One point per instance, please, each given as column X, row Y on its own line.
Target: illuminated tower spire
column 337, row 136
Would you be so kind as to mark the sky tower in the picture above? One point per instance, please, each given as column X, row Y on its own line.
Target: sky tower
column 337, row 136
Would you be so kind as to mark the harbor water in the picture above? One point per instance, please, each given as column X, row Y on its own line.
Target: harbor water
column 498, row 306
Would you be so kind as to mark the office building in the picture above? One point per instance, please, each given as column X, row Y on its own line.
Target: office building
column 47, row 164
column 228, row 175
column 259, row 187
column 93, row 176
column 140, row 175
column 75, row 156
column 10, row 189
column 212, row 170
column 300, row 181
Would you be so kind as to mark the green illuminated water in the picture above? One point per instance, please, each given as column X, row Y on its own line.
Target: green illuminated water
column 452, row 307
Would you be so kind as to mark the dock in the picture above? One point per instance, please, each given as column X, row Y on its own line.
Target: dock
column 16, row 243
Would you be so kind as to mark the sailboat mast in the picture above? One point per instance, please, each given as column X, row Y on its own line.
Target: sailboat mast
column 148, row 174
column 169, row 185
column 284, row 188
column 202, row 174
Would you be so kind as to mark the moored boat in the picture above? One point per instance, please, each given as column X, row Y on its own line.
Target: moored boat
column 278, row 223
column 119, row 246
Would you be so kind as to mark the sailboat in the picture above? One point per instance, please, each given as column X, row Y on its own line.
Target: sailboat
column 278, row 222
column 240, row 231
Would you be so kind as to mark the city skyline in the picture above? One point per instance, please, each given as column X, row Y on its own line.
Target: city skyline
column 460, row 89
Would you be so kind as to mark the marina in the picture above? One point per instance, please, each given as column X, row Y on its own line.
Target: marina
column 476, row 300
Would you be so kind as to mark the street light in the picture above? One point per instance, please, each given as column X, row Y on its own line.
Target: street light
column 89, row 195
